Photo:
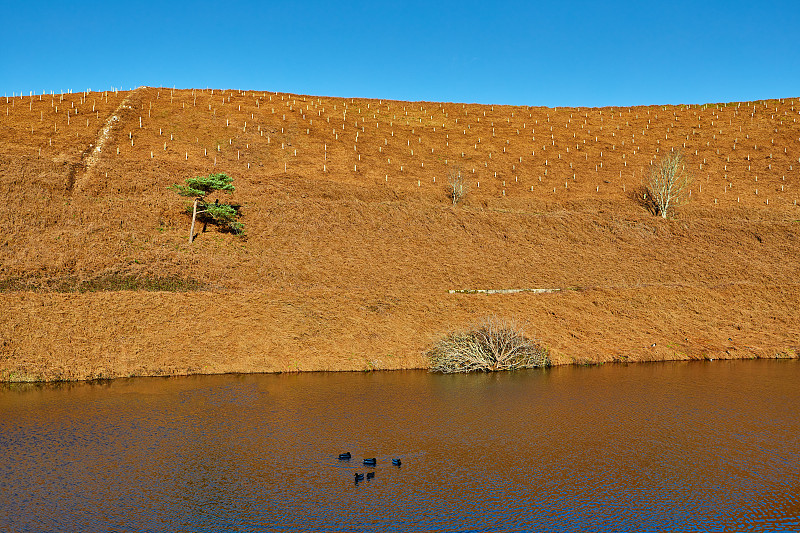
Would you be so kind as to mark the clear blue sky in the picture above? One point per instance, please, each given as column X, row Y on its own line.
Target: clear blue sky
column 588, row 53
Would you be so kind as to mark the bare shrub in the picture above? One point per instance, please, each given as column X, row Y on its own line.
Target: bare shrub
column 492, row 345
column 667, row 186
column 457, row 187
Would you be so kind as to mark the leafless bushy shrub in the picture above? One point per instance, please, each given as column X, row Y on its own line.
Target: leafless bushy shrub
column 667, row 186
column 492, row 345
column 457, row 187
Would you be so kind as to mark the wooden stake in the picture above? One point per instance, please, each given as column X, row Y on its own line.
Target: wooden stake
column 194, row 216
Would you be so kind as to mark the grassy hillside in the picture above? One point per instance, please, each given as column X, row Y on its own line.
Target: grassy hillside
column 352, row 245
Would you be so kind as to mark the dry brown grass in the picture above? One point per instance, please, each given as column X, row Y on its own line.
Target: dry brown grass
column 331, row 238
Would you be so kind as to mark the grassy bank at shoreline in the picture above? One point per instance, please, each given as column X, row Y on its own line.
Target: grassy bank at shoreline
column 354, row 258
column 51, row 336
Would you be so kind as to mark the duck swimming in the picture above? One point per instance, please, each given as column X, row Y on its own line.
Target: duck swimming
column 358, row 477
column 370, row 475
column 396, row 462
column 344, row 456
column 370, row 462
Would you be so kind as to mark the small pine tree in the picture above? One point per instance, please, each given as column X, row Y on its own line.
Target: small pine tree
column 220, row 214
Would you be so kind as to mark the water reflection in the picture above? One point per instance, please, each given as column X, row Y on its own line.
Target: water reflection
column 624, row 448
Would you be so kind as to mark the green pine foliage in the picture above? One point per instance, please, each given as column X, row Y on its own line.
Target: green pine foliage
column 201, row 186
column 217, row 213
column 222, row 215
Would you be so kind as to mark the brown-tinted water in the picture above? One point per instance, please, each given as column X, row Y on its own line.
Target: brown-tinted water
column 647, row 447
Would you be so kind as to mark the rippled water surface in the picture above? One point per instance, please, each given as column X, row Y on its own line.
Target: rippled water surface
column 674, row 446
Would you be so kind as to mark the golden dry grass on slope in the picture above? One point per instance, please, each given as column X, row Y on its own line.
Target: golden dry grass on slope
column 347, row 197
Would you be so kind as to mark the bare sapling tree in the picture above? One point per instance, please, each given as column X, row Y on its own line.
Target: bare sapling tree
column 667, row 186
column 457, row 187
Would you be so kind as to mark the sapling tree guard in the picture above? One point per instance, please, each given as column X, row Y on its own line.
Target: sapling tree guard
column 220, row 214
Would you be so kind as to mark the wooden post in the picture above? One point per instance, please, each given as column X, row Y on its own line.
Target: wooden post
column 194, row 216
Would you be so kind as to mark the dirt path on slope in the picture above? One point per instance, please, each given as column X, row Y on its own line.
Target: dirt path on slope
column 81, row 172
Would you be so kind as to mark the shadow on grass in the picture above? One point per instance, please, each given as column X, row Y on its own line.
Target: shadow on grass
column 104, row 283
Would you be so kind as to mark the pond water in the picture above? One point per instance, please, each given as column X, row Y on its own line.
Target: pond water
column 646, row 447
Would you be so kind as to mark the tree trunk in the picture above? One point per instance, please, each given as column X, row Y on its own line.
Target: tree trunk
column 194, row 216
